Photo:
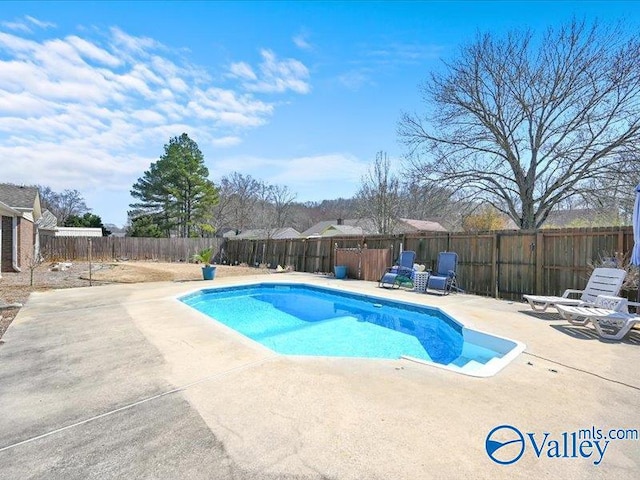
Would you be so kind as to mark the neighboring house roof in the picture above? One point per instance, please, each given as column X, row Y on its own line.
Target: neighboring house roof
column 22, row 198
column 48, row 220
column 260, row 233
column 72, row 232
column 421, row 225
column 335, row 230
column 365, row 226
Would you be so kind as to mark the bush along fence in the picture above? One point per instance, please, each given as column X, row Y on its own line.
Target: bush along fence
column 502, row 264
column 128, row 248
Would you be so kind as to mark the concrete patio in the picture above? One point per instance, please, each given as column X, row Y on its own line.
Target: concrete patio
column 124, row 381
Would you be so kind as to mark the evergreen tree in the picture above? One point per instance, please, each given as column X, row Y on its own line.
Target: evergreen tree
column 144, row 226
column 87, row 220
column 176, row 192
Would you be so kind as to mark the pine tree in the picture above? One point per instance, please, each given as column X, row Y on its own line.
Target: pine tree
column 176, row 191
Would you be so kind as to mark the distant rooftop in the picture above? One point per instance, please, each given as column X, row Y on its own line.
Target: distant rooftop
column 365, row 226
column 260, row 233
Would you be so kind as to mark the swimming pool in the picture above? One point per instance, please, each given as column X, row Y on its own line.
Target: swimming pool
column 300, row 319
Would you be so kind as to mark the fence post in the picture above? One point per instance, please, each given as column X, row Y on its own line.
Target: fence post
column 620, row 240
column 90, row 244
column 539, row 250
column 494, row 267
column 304, row 255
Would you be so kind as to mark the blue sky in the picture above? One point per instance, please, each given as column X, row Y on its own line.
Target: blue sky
column 301, row 94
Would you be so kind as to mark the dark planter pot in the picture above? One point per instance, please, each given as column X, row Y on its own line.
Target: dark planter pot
column 340, row 271
column 208, row 272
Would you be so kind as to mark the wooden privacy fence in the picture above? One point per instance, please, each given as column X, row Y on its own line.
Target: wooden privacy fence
column 503, row 264
column 364, row 263
column 131, row 248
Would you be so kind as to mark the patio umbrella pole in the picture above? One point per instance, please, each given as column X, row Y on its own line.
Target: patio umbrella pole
column 90, row 262
column 635, row 253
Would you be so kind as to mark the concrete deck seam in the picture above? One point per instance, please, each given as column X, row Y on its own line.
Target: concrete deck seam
column 215, row 376
column 582, row 371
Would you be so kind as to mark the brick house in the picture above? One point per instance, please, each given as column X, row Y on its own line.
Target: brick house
column 19, row 211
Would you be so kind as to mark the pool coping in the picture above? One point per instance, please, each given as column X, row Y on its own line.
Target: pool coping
column 489, row 369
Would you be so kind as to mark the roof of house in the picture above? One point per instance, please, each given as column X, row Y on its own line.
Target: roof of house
column 259, row 233
column 365, row 226
column 4, row 208
column 423, row 225
column 47, row 221
column 78, row 232
column 24, row 199
column 18, row 196
column 334, row 230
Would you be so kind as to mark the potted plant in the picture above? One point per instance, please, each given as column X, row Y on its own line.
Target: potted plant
column 206, row 256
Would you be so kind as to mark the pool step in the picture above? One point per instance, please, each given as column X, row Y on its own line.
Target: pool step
column 473, row 365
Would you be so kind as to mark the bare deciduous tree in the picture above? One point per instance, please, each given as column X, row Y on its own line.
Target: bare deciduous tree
column 379, row 195
column 282, row 200
column 614, row 194
column 428, row 200
column 63, row 204
column 239, row 195
column 525, row 123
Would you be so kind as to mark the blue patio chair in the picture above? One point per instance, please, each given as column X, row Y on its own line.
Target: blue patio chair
column 399, row 273
column 444, row 278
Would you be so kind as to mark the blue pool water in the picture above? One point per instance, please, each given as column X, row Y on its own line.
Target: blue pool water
column 305, row 320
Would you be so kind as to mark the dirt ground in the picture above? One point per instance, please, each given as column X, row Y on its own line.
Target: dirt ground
column 16, row 287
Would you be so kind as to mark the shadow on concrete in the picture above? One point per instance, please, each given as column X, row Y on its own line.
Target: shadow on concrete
column 548, row 316
column 588, row 333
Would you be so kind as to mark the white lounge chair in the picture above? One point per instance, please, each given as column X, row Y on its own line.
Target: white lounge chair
column 602, row 306
column 610, row 323
column 603, row 281
column 615, row 326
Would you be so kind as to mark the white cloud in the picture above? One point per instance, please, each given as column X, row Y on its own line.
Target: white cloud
column 92, row 52
column 325, row 168
column 228, row 107
column 242, row 70
column 39, row 23
column 91, row 111
column 228, row 141
column 355, row 79
column 25, row 25
column 17, row 26
column 301, row 42
column 131, row 44
column 405, row 53
column 372, row 62
column 313, row 177
column 275, row 76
